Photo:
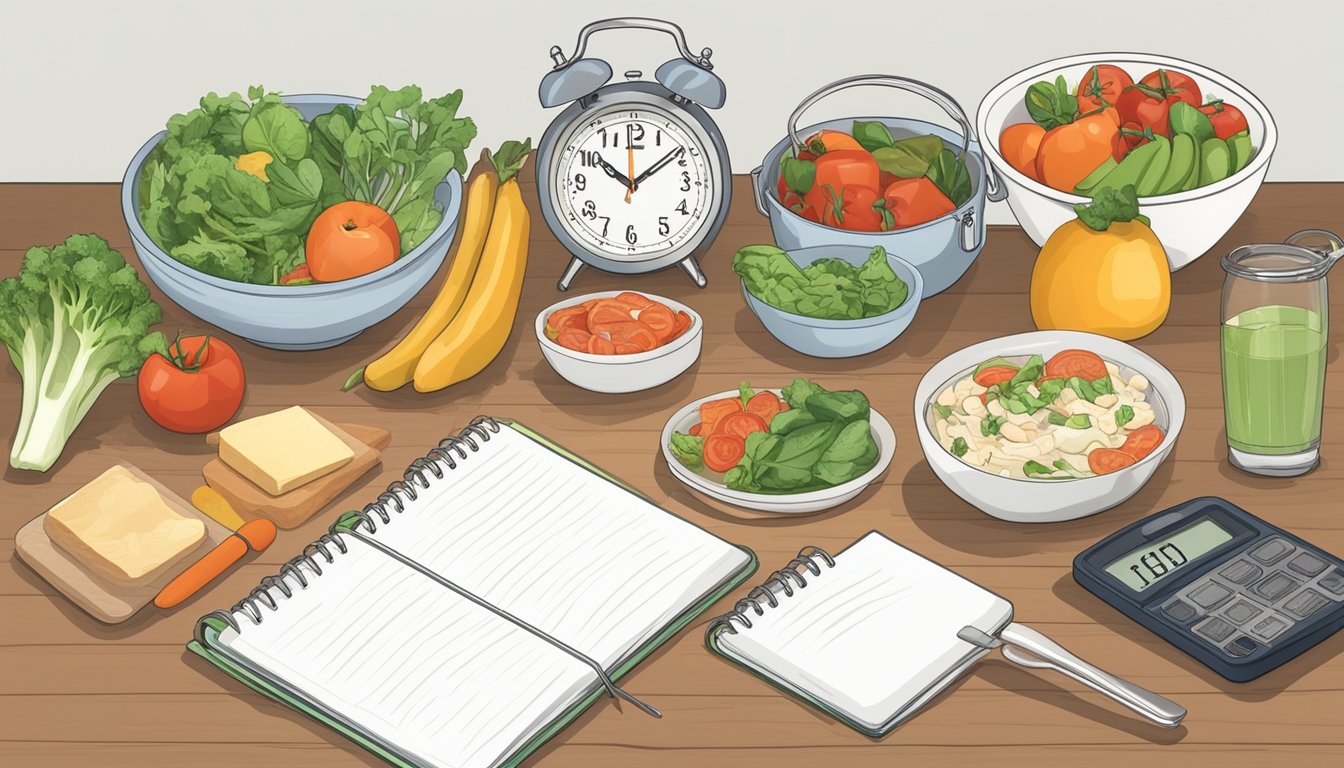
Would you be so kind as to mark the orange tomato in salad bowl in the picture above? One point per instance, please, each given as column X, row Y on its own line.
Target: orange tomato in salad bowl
column 351, row 239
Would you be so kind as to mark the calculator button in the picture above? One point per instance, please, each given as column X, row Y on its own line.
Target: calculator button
column 1242, row 611
column 1276, row 585
column 1242, row 646
column 1333, row 582
column 1272, row 551
column 1180, row 610
column 1216, row 629
column 1209, row 595
column 1241, row 572
column 1269, row 627
column 1305, row 603
column 1307, row 564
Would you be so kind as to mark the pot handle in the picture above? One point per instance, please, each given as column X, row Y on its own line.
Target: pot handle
column 995, row 190
column 756, row 190
column 929, row 92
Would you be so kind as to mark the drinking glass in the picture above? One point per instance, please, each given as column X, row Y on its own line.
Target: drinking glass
column 1274, row 329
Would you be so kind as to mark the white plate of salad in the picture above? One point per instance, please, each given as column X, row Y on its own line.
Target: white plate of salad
column 796, row 450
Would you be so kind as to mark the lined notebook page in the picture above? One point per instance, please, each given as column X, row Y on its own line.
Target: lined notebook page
column 444, row 681
column 560, row 547
column 871, row 636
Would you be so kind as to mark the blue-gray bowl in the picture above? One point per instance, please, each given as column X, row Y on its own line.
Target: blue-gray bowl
column 301, row 316
column 840, row 338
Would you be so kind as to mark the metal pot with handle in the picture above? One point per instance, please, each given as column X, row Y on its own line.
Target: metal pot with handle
column 942, row 249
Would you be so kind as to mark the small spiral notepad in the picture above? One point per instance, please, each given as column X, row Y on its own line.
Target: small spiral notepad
column 477, row 607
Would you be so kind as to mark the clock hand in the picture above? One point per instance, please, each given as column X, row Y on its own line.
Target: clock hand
column 669, row 157
column 630, row 155
column 611, row 171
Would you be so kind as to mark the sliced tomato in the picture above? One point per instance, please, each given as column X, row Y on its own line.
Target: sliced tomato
column 574, row 338
column 609, row 311
column 742, row 423
column 684, row 324
column 1075, row 362
column 569, row 317
column 600, row 346
column 661, row 320
column 996, row 374
column 712, row 412
column 1142, row 441
column 627, row 332
column 1106, row 460
column 766, row 405
column 722, row 451
column 636, row 300
column 694, row 431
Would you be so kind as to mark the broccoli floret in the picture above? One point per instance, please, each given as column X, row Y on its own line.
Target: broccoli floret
column 73, row 320
column 1110, row 205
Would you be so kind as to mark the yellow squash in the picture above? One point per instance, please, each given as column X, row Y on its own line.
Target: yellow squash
column 477, row 334
column 396, row 367
column 1114, row 281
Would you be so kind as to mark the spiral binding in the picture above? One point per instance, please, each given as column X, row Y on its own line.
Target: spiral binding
column 786, row 577
column 416, row 479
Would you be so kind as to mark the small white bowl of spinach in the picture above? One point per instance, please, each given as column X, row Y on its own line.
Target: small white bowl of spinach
column 830, row 301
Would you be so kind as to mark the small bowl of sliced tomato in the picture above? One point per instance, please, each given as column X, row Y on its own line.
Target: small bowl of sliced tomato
column 619, row 341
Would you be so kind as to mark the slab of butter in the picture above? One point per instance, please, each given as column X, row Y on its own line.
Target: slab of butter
column 281, row 451
column 119, row 526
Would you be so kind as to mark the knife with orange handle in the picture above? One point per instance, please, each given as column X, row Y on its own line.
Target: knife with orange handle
column 254, row 536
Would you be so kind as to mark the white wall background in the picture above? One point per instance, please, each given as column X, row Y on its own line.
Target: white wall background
column 83, row 83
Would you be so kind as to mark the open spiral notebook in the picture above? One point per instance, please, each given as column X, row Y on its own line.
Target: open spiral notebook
column 477, row 607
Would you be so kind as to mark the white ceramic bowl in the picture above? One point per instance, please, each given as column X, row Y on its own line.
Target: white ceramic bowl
column 613, row 374
column 785, row 504
column 1047, row 501
column 1187, row 223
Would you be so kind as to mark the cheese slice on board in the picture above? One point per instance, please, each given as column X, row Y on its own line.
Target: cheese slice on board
column 120, row 527
column 283, row 450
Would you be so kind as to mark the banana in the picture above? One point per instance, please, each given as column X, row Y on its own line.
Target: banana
column 396, row 367
column 479, row 330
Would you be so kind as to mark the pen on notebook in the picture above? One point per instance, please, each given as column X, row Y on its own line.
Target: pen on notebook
column 254, row 535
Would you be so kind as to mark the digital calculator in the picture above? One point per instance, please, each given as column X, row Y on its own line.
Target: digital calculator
column 1236, row 593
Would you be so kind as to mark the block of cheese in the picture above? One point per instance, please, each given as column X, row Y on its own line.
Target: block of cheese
column 120, row 527
column 281, row 451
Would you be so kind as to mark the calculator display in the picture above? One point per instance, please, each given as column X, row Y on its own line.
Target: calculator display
column 1154, row 561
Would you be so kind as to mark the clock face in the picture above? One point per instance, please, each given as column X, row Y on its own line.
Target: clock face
column 633, row 183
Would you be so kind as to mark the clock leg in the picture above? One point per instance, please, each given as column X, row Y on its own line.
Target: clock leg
column 573, row 269
column 694, row 271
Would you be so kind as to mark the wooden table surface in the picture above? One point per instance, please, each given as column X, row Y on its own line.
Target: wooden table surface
column 75, row 692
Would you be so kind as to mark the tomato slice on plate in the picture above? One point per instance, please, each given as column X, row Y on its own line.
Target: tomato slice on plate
column 1142, row 441
column 996, row 374
column 1105, row 460
column 742, row 423
column 722, row 451
column 712, row 412
column 766, row 405
column 694, row 431
column 1075, row 362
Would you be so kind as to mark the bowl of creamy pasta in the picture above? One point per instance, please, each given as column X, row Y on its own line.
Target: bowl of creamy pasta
column 1047, row 426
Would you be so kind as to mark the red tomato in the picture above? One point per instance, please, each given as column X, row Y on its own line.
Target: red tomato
column 1142, row 441
column 1148, row 102
column 916, row 201
column 742, row 423
column 300, row 275
column 766, row 405
column 1106, row 460
column 1227, row 120
column 856, row 209
column 831, row 141
column 1075, row 362
column 609, row 311
column 1101, row 87
column 351, row 239
column 722, row 451
column 839, row 169
column 198, row 388
column 996, row 374
column 660, row 319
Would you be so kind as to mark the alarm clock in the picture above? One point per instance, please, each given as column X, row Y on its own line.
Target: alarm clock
column 633, row 177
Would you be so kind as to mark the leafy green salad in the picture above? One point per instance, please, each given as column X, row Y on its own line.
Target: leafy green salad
column 233, row 188
column 830, row 289
column 808, row 440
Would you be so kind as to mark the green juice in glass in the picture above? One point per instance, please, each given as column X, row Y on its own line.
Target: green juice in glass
column 1273, row 379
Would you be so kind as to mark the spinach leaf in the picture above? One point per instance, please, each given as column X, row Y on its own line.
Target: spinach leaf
column 791, row 421
column 1051, row 104
column 1036, row 468
column 943, row 411
column 871, row 135
column 990, row 426
column 277, row 129
column 1123, row 415
column 799, row 391
column 959, row 447
column 827, row 288
column 843, row 407
column 689, row 449
column 799, row 175
column 853, row 453
column 1076, row 421
column 949, row 173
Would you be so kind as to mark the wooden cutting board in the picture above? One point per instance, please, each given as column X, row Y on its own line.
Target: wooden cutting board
column 102, row 599
column 292, row 509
